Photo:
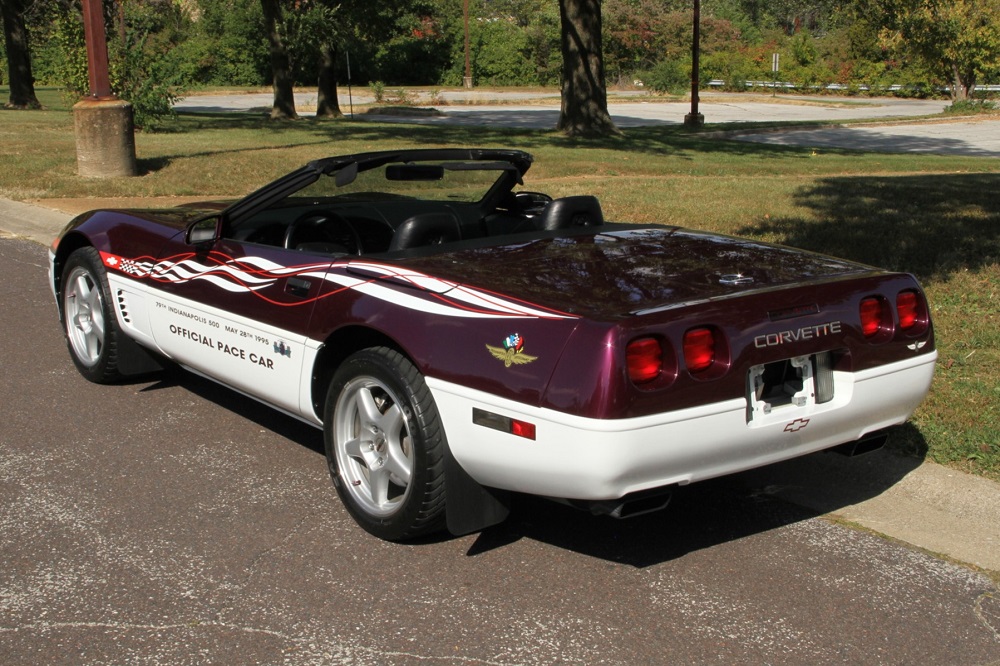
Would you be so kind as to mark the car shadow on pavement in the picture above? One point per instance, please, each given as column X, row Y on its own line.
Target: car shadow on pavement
column 281, row 424
column 699, row 516
column 712, row 512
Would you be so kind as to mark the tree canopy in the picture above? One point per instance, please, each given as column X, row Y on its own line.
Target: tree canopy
column 957, row 39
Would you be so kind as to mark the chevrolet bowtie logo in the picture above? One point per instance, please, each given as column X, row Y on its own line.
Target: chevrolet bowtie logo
column 796, row 425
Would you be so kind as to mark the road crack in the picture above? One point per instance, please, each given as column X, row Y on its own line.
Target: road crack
column 987, row 609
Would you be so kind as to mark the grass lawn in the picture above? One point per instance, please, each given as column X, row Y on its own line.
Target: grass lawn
column 935, row 216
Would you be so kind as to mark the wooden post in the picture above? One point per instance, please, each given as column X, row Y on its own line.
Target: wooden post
column 97, row 49
column 695, row 118
column 467, row 79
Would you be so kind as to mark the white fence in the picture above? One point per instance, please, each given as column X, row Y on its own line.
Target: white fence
column 716, row 83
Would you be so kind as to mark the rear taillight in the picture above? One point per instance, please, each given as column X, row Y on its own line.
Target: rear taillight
column 644, row 357
column 699, row 349
column 908, row 310
column 873, row 320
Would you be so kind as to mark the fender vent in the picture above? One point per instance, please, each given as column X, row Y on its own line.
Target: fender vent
column 123, row 307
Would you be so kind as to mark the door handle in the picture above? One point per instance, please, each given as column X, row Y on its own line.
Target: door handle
column 298, row 287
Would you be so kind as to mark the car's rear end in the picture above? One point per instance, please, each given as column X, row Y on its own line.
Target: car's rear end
column 736, row 369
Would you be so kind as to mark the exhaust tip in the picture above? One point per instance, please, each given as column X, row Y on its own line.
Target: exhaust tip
column 632, row 505
column 867, row 444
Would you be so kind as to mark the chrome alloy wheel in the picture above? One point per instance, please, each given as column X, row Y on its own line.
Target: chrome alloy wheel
column 372, row 445
column 84, row 312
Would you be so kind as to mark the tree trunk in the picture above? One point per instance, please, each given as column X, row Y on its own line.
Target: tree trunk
column 584, row 93
column 15, row 32
column 281, row 64
column 963, row 85
column 327, row 104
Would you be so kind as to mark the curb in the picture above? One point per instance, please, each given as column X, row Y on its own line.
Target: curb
column 37, row 223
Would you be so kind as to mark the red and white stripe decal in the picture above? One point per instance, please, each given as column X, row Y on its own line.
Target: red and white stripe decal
column 416, row 291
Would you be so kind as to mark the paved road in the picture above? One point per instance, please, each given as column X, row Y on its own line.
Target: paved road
column 980, row 138
column 628, row 109
column 962, row 137
column 169, row 521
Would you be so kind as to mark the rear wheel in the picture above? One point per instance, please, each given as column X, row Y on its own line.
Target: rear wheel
column 385, row 446
column 92, row 332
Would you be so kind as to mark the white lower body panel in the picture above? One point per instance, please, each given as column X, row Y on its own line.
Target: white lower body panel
column 581, row 458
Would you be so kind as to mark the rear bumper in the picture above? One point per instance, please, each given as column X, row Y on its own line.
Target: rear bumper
column 592, row 459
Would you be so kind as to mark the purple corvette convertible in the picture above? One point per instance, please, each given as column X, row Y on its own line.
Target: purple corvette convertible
column 459, row 339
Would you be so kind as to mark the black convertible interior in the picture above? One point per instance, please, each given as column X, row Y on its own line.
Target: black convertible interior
column 396, row 204
column 390, row 226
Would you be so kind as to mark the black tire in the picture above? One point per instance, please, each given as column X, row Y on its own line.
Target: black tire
column 89, row 323
column 385, row 446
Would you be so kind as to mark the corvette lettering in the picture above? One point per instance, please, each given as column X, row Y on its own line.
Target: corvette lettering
column 797, row 335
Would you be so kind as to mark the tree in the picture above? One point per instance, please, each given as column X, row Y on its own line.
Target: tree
column 584, row 109
column 15, row 32
column 327, row 102
column 958, row 39
column 281, row 63
column 315, row 34
column 310, row 34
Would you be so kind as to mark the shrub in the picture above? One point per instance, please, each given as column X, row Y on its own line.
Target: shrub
column 671, row 76
column 139, row 70
column 971, row 106
column 734, row 68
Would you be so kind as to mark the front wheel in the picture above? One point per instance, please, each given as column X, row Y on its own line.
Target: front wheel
column 91, row 328
column 385, row 445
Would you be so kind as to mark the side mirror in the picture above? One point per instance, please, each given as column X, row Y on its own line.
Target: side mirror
column 203, row 231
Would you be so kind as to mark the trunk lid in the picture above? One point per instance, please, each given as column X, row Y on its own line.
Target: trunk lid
column 633, row 270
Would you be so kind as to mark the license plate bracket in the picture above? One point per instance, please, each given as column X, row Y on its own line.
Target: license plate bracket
column 788, row 385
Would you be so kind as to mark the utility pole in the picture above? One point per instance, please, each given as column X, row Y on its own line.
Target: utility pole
column 695, row 118
column 105, row 133
column 468, row 62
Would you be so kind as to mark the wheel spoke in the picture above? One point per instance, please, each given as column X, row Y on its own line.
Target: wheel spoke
column 93, row 297
column 392, row 422
column 97, row 321
column 397, row 463
column 393, row 427
column 370, row 415
column 352, row 448
column 82, row 288
column 378, row 483
column 93, row 343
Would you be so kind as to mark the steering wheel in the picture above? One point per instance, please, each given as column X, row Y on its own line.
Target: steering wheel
column 323, row 227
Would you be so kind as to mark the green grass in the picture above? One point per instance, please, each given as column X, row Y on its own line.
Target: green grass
column 935, row 216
